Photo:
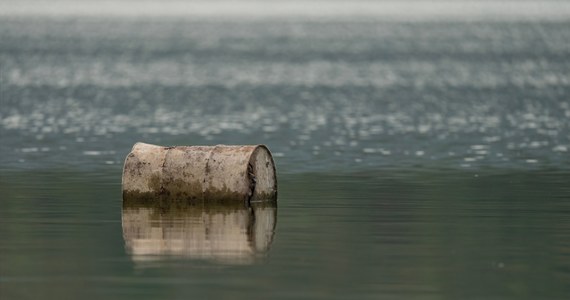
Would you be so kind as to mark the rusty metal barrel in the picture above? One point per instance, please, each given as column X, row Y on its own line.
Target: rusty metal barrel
column 199, row 174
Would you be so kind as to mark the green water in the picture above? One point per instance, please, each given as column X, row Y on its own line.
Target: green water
column 369, row 235
column 416, row 159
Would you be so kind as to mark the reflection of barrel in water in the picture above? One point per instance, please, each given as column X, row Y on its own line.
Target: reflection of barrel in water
column 229, row 234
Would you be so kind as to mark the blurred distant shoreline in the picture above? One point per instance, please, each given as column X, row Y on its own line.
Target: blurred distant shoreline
column 415, row 10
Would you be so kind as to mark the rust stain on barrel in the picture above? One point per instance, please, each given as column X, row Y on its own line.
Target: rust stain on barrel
column 195, row 174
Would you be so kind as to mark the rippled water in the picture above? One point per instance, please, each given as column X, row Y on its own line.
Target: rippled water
column 342, row 95
column 421, row 160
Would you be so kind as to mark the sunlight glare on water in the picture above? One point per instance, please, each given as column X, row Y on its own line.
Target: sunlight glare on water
column 368, row 92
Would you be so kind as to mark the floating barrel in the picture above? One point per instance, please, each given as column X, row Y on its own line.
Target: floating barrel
column 199, row 174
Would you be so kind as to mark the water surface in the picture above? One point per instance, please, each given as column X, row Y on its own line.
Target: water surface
column 416, row 160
